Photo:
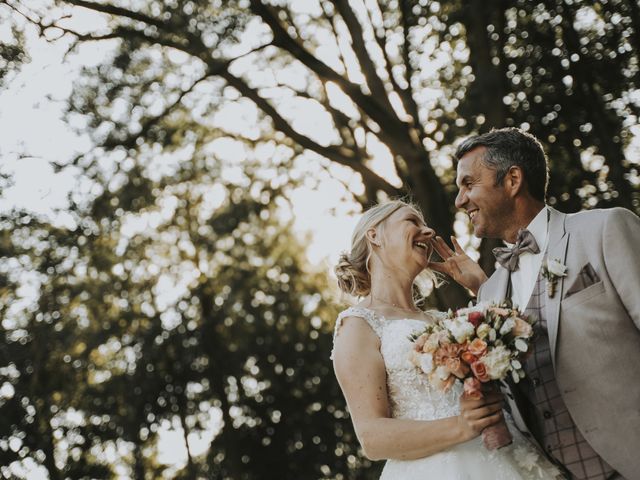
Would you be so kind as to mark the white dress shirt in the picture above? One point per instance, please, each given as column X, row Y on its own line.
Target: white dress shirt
column 524, row 278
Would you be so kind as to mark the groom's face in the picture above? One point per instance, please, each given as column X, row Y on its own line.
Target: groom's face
column 486, row 203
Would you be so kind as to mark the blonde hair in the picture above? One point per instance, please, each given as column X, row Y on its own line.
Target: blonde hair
column 352, row 269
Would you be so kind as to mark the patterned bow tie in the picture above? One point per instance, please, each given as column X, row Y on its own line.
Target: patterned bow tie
column 508, row 257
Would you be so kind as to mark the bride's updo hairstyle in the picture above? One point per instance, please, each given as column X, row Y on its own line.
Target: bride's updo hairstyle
column 353, row 267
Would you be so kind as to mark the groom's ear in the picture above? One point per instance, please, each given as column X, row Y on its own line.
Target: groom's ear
column 514, row 181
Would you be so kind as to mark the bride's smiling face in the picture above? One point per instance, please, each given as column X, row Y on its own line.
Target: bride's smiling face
column 404, row 241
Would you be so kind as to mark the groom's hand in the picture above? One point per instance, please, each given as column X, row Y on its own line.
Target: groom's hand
column 457, row 264
column 476, row 415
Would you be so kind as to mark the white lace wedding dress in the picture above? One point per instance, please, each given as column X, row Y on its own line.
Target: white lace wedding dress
column 412, row 397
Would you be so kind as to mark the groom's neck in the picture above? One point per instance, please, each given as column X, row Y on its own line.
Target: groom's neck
column 523, row 214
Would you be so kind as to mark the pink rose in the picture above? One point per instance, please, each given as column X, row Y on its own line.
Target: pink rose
column 477, row 347
column 522, row 328
column 480, row 371
column 473, row 388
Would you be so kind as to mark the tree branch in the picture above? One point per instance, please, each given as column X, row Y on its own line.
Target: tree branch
column 330, row 18
column 282, row 39
column 375, row 83
column 119, row 12
column 341, row 155
column 151, row 121
column 407, row 94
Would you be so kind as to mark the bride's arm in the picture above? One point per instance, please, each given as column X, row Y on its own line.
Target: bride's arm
column 361, row 373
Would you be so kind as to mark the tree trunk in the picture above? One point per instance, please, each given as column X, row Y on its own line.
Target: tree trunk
column 488, row 87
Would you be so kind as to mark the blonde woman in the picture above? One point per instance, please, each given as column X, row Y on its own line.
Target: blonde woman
column 422, row 432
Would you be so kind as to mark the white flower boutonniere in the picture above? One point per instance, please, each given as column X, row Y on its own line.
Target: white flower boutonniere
column 552, row 270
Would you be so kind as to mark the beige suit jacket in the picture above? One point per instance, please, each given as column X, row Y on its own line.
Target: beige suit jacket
column 594, row 332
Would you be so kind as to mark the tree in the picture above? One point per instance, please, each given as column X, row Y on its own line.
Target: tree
column 204, row 317
column 402, row 79
column 362, row 118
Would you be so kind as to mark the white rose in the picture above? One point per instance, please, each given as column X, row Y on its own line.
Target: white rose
column 555, row 267
column 426, row 363
column 460, row 329
column 498, row 362
column 483, row 331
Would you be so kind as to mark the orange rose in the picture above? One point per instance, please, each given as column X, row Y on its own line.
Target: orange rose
column 522, row 328
column 468, row 357
column 480, row 371
column 450, row 350
column 473, row 388
column 456, row 367
column 477, row 347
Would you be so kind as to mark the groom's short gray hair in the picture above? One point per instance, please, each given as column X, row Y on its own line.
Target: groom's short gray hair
column 507, row 147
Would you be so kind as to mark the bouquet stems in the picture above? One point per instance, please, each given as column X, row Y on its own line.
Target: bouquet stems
column 496, row 436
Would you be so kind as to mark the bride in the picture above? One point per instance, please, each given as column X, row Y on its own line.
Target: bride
column 420, row 430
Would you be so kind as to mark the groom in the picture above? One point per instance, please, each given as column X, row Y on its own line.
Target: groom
column 581, row 396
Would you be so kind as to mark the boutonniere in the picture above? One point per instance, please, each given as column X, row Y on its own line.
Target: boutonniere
column 552, row 270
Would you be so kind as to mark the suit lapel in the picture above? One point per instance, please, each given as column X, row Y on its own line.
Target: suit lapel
column 557, row 249
column 495, row 288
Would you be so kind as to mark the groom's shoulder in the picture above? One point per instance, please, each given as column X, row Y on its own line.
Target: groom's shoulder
column 599, row 216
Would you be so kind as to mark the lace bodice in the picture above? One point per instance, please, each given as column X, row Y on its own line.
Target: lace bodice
column 412, row 397
column 410, row 394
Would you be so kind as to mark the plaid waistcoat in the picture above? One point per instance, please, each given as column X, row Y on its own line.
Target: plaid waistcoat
column 547, row 415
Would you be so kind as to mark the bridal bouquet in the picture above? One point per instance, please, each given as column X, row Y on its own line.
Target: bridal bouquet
column 475, row 345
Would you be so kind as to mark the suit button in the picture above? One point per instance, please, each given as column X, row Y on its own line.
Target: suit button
column 536, row 382
column 547, row 414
